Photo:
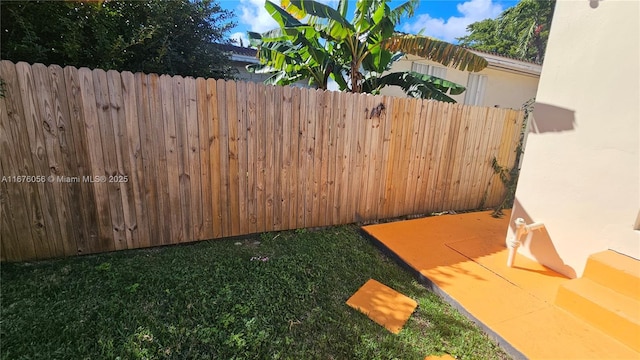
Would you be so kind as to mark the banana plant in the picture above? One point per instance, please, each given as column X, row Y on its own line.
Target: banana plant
column 357, row 54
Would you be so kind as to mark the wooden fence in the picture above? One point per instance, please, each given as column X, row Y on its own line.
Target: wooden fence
column 95, row 161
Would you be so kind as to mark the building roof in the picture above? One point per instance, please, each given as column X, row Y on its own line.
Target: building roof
column 509, row 64
column 237, row 50
column 496, row 61
column 240, row 54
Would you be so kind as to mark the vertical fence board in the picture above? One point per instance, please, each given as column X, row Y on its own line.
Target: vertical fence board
column 160, row 159
column 252, row 159
column 184, row 169
column 285, row 167
column 316, row 177
column 326, row 123
column 303, row 130
column 109, row 153
column 81, row 195
column 215, row 117
column 358, row 165
column 223, row 173
column 401, row 205
column 243, row 169
column 261, row 158
column 204, row 141
column 334, row 129
column 233, row 190
column 420, row 207
column 47, row 219
column 49, row 131
column 491, row 150
column 414, row 156
column 277, row 168
column 27, row 209
column 124, row 191
column 193, row 147
column 294, row 150
column 139, row 227
column 461, row 150
column 105, row 239
column 269, row 169
column 309, row 151
column 172, row 158
column 70, row 191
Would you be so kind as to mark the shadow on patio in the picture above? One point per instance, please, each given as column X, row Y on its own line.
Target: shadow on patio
column 463, row 259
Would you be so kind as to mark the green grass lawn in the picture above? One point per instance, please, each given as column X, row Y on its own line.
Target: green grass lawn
column 275, row 296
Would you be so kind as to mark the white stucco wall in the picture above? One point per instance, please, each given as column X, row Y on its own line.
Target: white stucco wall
column 506, row 89
column 580, row 171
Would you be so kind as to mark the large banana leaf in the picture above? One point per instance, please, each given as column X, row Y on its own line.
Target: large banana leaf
column 439, row 51
column 416, row 85
column 335, row 24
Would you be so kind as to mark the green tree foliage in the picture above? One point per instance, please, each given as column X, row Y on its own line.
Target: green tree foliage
column 153, row 36
column 356, row 54
column 521, row 31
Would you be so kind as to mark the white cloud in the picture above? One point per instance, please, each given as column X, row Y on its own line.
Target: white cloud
column 237, row 36
column 253, row 14
column 454, row 26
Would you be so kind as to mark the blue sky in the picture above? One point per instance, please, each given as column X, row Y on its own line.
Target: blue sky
column 442, row 19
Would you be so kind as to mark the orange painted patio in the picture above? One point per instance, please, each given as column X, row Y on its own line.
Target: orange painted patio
column 463, row 258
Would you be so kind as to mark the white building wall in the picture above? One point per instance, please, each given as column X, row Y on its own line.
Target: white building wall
column 580, row 171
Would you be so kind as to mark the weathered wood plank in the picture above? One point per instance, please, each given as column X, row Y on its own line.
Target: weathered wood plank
column 146, row 162
column 252, row 158
column 24, row 217
column 97, row 172
column 284, row 137
column 427, row 128
column 138, row 224
column 317, row 218
column 123, row 168
column 277, row 168
column 110, row 171
column 214, row 155
column 48, row 219
column 233, row 168
column 46, row 129
column 310, row 151
column 184, row 169
column 334, row 133
column 204, row 141
column 414, row 156
column 454, row 139
column 357, row 157
column 224, row 173
column 370, row 197
column 401, row 205
column 461, row 152
column 193, row 152
column 350, row 128
column 73, row 147
column 294, row 150
column 325, row 124
column 303, row 153
column 172, row 155
column 72, row 223
column 243, row 167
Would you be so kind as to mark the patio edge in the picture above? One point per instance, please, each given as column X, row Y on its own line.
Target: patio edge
column 430, row 285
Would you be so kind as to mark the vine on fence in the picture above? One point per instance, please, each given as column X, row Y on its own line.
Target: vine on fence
column 509, row 177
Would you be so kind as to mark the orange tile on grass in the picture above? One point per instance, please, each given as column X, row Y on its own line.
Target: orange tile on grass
column 383, row 305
